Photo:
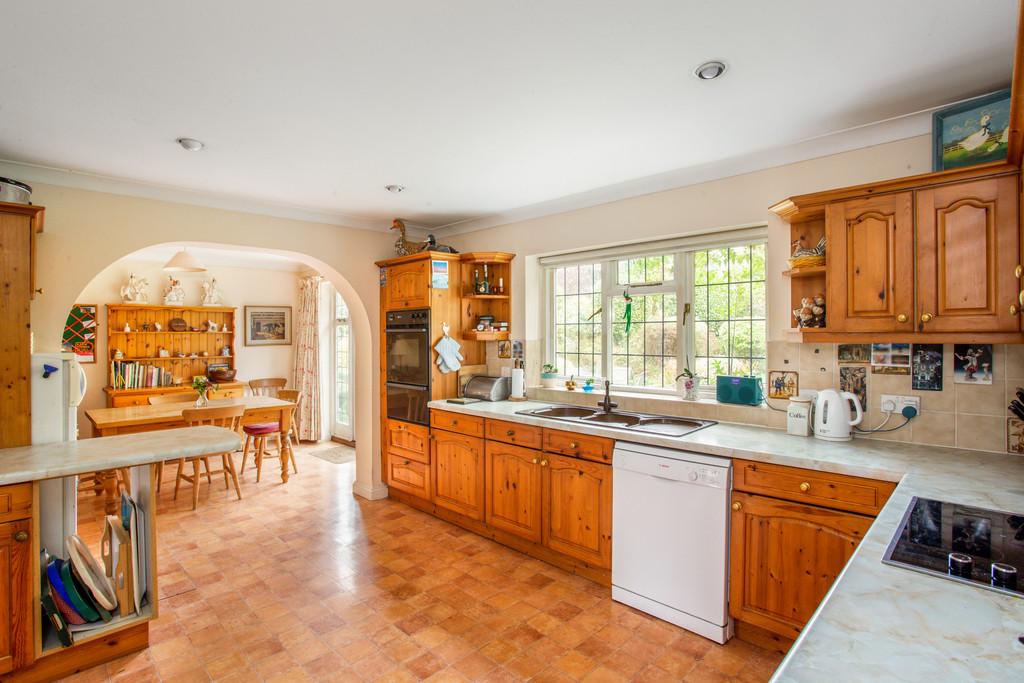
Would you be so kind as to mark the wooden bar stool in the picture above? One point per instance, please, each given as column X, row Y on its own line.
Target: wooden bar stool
column 229, row 417
column 267, row 387
column 257, row 434
column 296, row 398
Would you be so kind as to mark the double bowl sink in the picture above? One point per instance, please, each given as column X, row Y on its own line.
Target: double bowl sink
column 630, row 422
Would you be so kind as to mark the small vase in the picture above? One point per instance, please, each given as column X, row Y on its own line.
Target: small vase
column 202, row 401
column 690, row 387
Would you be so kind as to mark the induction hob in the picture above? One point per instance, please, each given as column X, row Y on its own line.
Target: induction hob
column 979, row 547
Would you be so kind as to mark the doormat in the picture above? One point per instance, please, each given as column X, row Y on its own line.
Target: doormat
column 339, row 455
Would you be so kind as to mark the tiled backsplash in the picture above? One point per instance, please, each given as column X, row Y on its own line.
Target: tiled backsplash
column 964, row 415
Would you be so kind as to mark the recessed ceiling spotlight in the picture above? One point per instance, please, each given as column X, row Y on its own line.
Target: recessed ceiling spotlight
column 708, row 71
column 190, row 144
column 394, row 189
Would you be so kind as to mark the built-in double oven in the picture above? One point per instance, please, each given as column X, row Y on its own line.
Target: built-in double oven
column 407, row 362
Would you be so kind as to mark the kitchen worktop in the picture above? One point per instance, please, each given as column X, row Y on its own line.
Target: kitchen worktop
column 62, row 459
column 878, row 622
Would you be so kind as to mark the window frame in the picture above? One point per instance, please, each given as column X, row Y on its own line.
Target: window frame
column 682, row 285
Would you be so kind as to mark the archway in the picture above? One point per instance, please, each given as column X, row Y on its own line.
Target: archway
column 368, row 477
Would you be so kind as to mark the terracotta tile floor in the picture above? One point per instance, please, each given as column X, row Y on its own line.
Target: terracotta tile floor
column 305, row 582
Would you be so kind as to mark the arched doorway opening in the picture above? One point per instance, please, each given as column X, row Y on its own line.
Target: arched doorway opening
column 358, row 328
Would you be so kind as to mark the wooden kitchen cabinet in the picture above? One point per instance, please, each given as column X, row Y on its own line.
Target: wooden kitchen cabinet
column 513, row 492
column 407, row 285
column 577, row 508
column 871, row 264
column 457, row 463
column 784, row 557
column 16, row 613
column 405, row 439
column 968, row 248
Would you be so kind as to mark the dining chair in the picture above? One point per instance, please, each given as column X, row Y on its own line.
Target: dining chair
column 257, row 434
column 295, row 397
column 268, row 386
column 223, row 416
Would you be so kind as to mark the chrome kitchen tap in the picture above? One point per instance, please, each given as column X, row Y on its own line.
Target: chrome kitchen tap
column 607, row 403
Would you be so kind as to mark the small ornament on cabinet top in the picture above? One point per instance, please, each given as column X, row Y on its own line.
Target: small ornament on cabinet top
column 134, row 291
column 211, row 293
column 174, row 295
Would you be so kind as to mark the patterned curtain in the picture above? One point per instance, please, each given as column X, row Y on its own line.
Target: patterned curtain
column 307, row 359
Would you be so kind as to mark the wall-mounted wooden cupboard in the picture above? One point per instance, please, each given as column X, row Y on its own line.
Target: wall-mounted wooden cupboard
column 929, row 258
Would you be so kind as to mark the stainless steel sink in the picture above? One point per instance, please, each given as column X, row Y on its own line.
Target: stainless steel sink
column 631, row 422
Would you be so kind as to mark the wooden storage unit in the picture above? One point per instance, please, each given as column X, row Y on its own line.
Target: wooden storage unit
column 144, row 346
column 929, row 258
column 19, row 225
column 496, row 303
column 792, row 532
column 554, row 507
column 17, row 611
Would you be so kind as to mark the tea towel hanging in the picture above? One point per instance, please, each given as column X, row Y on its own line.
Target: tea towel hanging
column 449, row 358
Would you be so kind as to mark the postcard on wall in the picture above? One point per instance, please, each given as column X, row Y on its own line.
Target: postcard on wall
column 926, row 367
column 890, row 359
column 439, row 274
column 972, row 363
column 855, row 353
column 784, row 384
column 1014, row 435
column 854, row 378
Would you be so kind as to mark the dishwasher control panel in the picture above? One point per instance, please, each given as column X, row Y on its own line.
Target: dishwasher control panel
column 670, row 468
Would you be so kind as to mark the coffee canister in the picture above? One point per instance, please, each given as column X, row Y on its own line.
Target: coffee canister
column 798, row 416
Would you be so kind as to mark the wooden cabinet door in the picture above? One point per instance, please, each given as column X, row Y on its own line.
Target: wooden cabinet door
column 408, row 440
column 870, row 264
column 16, row 278
column 968, row 247
column 16, row 613
column 784, row 557
column 577, row 508
column 513, row 492
column 458, row 467
column 408, row 285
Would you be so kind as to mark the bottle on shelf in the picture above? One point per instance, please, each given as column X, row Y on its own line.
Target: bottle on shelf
column 501, row 285
column 484, row 287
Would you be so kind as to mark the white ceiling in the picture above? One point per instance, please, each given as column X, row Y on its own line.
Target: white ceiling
column 477, row 107
column 212, row 257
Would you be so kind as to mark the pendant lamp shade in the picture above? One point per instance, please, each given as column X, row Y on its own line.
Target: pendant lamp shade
column 184, row 262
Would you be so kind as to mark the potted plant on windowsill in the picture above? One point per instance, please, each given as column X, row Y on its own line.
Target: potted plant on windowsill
column 549, row 376
column 689, row 384
column 588, row 384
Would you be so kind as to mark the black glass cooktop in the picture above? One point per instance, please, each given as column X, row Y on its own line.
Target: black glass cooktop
column 984, row 548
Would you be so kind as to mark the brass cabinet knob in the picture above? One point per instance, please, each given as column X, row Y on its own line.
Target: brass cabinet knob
column 1018, row 271
column 926, row 317
column 902, row 318
column 455, row 422
column 510, row 432
column 21, row 536
column 406, row 462
column 572, row 445
column 737, row 506
column 1014, row 310
column 544, row 462
column 805, row 486
column 536, row 461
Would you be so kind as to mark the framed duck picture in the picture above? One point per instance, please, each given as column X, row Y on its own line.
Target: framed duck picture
column 972, row 132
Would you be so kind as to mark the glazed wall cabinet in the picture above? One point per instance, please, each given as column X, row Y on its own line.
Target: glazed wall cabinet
column 933, row 258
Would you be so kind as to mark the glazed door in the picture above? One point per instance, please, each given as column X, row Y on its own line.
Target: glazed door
column 871, row 264
column 968, row 249
column 577, row 508
column 458, row 466
column 784, row 557
column 513, row 492
column 408, row 285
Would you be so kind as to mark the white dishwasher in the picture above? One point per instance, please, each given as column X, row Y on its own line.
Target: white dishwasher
column 670, row 556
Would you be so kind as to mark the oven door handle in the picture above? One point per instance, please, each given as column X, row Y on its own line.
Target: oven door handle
column 406, row 329
column 403, row 385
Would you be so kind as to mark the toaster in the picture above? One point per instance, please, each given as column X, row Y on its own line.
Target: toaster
column 487, row 388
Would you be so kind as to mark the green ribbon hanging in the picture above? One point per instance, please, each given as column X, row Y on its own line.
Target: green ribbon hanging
column 628, row 314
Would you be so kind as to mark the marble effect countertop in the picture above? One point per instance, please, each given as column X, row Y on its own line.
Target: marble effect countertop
column 878, row 622
column 62, row 459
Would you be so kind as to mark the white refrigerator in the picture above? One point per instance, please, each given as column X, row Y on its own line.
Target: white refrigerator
column 58, row 387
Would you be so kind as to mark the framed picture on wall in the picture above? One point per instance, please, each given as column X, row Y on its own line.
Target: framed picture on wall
column 80, row 333
column 972, row 132
column 268, row 325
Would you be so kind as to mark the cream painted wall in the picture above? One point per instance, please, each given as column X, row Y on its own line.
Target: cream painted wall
column 718, row 205
column 240, row 287
column 87, row 231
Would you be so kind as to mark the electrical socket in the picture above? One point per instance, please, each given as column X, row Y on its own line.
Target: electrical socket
column 894, row 403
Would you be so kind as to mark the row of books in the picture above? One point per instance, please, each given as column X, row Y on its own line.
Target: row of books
column 130, row 374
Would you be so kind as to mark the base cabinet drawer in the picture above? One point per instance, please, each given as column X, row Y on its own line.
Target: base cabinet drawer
column 516, row 434
column 594, row 448
column 15, row 502
column 458, row 423
column 784, row 557
column 407, row 440
column 411, row 476
column 840, row 491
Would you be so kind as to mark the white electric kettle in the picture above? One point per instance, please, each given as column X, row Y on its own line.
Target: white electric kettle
column 832, row 415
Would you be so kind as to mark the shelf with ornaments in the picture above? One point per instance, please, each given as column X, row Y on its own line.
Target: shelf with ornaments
column 486, row 295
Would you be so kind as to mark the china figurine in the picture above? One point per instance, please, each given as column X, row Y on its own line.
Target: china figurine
column 211, row 294
column 174, row 295
column 134, row 292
